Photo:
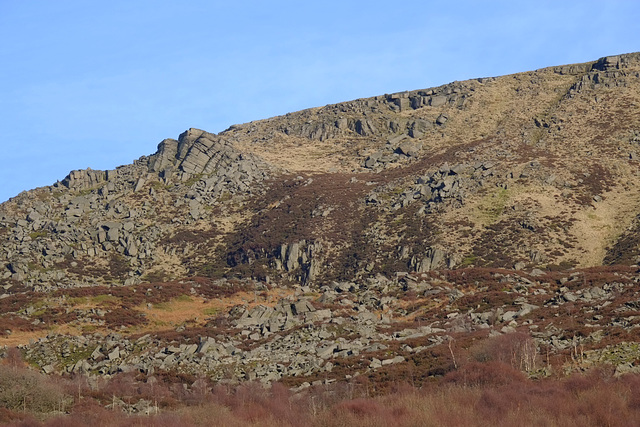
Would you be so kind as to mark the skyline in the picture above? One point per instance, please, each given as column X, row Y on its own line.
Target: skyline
column 91, row 86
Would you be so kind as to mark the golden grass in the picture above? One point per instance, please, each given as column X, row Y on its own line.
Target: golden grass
column 184, row 309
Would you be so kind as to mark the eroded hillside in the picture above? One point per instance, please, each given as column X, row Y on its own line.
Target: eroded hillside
column 527, row 170
column 351, row 237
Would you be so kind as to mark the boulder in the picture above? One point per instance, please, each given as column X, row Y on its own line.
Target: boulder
column 437, row 101
column 408, row 148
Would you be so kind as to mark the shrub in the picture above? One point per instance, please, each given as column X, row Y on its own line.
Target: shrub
column 515, row 349
column 25, row 390
column 477, row 374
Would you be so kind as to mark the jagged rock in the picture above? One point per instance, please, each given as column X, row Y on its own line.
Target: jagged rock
column 365, row 127
column 372, row 160
column 326, row 352
column 301, row 258
column 292, row 256
column 97, row 354
column 165, row 156
column 303, row 306
column 509, row 316
column 419, row 127
column 397, row 359
column 608, row 63
column 400, row 100
column 434, row 258
column 86, row 178
column 115, row 354
column 569, row 296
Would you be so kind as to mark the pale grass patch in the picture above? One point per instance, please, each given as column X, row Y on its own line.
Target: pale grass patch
column 183, row 309
column 195, row 310
column 600, row 225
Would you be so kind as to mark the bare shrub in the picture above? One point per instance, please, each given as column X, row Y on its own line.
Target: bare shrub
column 491, row 373
column 7, row 416
column 13, row 358
column 25, row 390
column 253, row 403
column 361, row 408
column 100, row 418
column 516, row 349
column 632, row 384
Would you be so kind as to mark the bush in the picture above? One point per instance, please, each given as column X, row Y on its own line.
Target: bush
column 25, row 390
column 477, row 374
column 516, row 349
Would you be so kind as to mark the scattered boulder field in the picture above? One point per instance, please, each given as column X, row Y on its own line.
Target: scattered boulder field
column 391, row 238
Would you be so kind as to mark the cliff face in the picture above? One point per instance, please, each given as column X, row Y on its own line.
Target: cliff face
column 527, row 172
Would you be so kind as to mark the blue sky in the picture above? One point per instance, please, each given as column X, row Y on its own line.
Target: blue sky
column 98, row 84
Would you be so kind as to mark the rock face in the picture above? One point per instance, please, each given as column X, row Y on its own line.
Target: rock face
column 94, row 217
column 200, row 153
column 302, row 257
column 81, row 179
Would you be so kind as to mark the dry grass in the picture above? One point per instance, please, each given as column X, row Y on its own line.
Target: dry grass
column 185, row 309
column 580, row 400
column 196, row 310
column 580, row 140
column 599, row 226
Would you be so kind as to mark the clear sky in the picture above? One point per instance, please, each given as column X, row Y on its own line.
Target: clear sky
column 100, row 83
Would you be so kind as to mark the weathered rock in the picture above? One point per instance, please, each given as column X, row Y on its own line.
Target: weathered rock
column 86, row 178
column 437, row 101
column 165, row 156
column 434, row 258
column 442, row 119
column 408, row 148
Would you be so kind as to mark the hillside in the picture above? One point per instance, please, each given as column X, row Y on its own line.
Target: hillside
column 391, row 237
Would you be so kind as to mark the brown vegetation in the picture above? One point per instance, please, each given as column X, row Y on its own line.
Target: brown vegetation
column 477, row 394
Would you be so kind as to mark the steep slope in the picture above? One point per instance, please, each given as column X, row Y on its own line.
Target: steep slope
column 532, row 169
column 428, row 205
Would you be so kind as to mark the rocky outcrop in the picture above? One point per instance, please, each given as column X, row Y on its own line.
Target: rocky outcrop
column 210, row 157
column 81, row 179
column 165, row 157
column 377, row 117
column 398, row 148
column 433, row 259
column 303, row 259
column 447, row 186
